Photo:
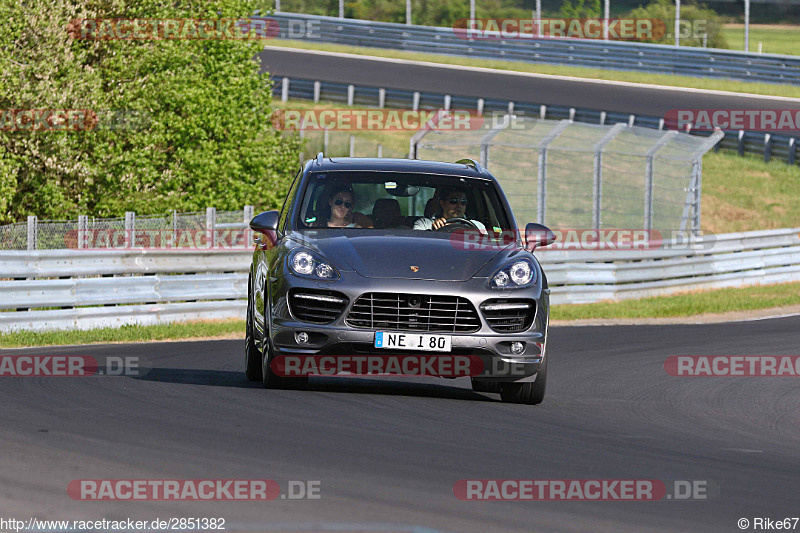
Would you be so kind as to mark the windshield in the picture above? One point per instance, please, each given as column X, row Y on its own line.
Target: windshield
column 398, row 201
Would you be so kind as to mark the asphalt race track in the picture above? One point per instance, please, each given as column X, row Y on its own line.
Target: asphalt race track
column 388, row 452
column 503, row 85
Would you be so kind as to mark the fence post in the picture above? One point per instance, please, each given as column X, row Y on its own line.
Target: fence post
column 597, row 181
column 480, row 105
column 174, row 228
column 83, row 227
column 631, row 120
column 33, row 226
column 352, row 145
column 603, row 116
column 381, row 98
column 792, row 154
column 317, row 89
column 511, row 108
column 741, row 142
column 572, row 113
column 447, row 100
column 130, row 228
column 211, row 222
column 351, row 94
column 767, row 147
column 486, row 140
column 542, row 111
column 285, row 90
column 415, row 102
column 325, row 140
column 541, row 196
column 648, row 179
column 698, row 185
column 247, row 216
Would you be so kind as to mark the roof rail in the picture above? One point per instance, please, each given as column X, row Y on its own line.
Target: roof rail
column 471, row 163
column 320, row 157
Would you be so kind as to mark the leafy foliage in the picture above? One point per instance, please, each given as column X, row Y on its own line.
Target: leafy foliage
column 201, row 135
column 580, row 9
column 696, row 20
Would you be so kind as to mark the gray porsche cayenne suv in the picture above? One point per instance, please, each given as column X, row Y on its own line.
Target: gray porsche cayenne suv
column 417, row 257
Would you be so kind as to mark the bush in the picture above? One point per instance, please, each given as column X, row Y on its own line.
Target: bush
column 698, row 20
column 204, row 137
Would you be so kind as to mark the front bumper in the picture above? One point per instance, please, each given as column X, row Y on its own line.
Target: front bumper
column 339, row 338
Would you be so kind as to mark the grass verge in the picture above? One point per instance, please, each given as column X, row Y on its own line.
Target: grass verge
column 578, row 72
column 774, row 38
column 686, row 304
column 160, row 332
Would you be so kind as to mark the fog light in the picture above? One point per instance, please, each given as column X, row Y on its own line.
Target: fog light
column 301, row 337
column 517, row 348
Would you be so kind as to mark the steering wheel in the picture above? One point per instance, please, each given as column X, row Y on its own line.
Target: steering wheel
column 452, row 224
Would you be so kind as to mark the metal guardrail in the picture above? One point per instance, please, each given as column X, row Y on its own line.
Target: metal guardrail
column 663, row 59
column 767, row 145
column 176, row 285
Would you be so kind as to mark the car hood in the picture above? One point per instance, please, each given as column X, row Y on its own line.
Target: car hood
column 395, row 256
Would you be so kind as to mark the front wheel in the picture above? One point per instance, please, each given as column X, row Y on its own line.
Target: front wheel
column 526, row 393
column 252, row 356
column 272, row 380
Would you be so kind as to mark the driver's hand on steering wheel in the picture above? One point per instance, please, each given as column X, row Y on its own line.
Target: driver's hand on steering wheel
column 439, row 222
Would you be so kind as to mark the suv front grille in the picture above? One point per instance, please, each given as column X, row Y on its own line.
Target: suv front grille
column 509, row 315
column 413, row 312
column 316, row 306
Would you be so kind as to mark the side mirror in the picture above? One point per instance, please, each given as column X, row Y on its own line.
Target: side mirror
column 265, row 226
column 538, row 235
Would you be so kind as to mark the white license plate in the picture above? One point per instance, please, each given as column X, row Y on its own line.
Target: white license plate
column 412, row 341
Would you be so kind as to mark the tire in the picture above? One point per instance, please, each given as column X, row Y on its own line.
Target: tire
column 269, row 378
column 252, row 355
column 485, row 386
column 526, row 393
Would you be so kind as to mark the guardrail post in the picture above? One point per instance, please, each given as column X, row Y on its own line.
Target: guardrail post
column 792, row 147
column 83, row 230
column 130, row 228
column 447, row 100
column 317, row 90
column 211, row 221
column 767, row 147
column 542, row 111
column 631, row 119
column 415, row 101
column 351, row 94
column 511, row 108
column 603, row 116
column 352, row 145
column 285, row 90
column 661, row 124
column 325, row 140
column 33, row 225
column 741, row 142
column 381, row 98
column 247, row 216
column 571, row 113
column 380, row 150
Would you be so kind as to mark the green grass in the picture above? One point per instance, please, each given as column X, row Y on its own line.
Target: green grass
column 686, row 304
column 775, row 39
column 160, row 332
column 579, row 72
column 746, row 194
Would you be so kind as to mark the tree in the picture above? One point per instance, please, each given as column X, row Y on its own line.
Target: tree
column 183, row 124
column 580, row 9
column 696, row 21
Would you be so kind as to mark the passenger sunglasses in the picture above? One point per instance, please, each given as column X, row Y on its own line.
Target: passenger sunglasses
column 454, row 201
column 339, row 201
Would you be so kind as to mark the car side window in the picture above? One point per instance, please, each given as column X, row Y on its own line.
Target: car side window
column 287, row 203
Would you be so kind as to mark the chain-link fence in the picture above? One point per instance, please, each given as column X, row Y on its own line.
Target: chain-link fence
column 336, row 143
column 573, row 175
column 207, row 228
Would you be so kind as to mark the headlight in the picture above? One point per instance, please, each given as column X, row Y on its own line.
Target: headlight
column 516, row 275
column 308, row 265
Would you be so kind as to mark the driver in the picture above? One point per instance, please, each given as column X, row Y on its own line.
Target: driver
column 453, row 204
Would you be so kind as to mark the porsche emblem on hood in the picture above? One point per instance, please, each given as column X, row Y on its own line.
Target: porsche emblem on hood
column 414, row 268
